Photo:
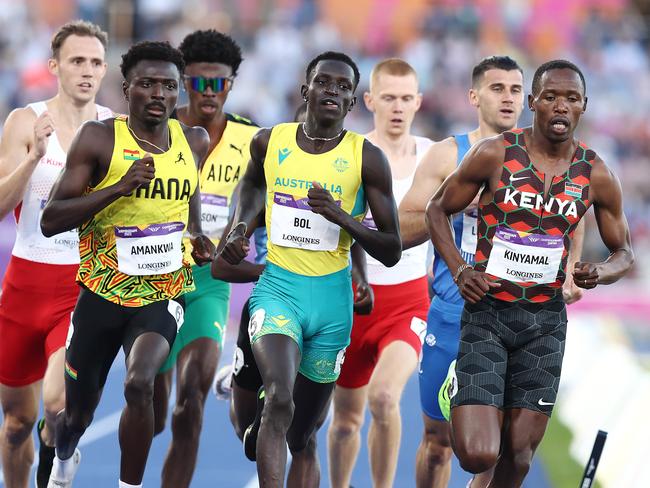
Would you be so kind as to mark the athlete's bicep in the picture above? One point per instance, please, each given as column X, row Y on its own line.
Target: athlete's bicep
column 608, row 208
column 378, row 186
column 258, row 146
column 17, row 138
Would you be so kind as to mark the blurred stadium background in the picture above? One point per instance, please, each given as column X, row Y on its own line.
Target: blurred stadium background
column 606, row 381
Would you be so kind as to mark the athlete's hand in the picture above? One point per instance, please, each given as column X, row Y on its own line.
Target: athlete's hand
column 140, row 173
column 474, row 285
column 203, row 249
column 237, row 245
column 364, row 299
column 570, row 292
column 321, row 202
column 43, row 129
column 586, row 275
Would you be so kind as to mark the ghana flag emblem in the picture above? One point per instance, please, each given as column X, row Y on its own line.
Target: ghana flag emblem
column 573, row 189
column 131, row 155
column 70, row 370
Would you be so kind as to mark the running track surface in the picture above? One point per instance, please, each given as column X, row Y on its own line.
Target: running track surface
column 221, row 461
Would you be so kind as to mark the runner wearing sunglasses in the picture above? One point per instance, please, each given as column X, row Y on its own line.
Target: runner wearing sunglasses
column 212, row 60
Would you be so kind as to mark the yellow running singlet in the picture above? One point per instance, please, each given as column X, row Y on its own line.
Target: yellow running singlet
column 131, row 251
column 301, row 241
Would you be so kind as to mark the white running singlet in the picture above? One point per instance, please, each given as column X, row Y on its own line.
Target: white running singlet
column 30, row 243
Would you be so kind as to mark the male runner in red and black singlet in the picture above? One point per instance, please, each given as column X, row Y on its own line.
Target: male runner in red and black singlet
column 537, row 184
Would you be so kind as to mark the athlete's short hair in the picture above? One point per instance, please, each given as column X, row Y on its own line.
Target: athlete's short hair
column 211, row 46
column 505, row 63
column 151, row 51
column 334, row 56
column 556, row 64
column 391, row 66
column 81, row 28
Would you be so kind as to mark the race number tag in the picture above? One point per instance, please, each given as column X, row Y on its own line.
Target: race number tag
column 67, row 241
column 468, row 238
column 153, row 250
column 214, row 215
column 293, row 224
column 524, row 257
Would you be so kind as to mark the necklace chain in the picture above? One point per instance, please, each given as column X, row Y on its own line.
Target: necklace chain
column 304, row 131
column 128, row 126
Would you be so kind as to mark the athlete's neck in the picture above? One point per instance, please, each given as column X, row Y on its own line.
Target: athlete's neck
column 539, row 144
column 70, row 114
column 215, row 125
column 156, row 135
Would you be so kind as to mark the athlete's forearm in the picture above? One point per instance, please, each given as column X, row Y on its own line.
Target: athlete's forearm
column 244, row 272
column 194, row 218
column 577, row 243
column 12, row 186
column 412, row 228
column 385, row 247
column 250, row 204
column 615, row 266
column 62, row 215
column 439, row 227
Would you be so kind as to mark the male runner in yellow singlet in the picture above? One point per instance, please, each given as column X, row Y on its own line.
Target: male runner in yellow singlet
column 211, row 63
column 314, row 180
column 131, row 185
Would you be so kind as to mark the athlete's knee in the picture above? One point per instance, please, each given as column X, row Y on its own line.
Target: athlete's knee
column 17, row 427
column 187, row 417
column 53, row 403
column 345, row 425
column 75, row 420
column 138, row 390
column 520, row 457
column 476, row 458
column 304, row 445
column 278, row 407
column 383, row 402
column 437, row 449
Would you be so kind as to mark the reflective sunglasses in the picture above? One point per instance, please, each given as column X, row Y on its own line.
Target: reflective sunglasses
column 201, row 83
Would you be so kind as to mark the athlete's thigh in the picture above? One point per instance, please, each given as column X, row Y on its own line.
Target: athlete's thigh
column 310, row 399
column 206, row 314
column 397, row 362
column 524, row 428
column 195, row 367
column 94, row 338
column 243, row 407
column 440, row 348
column 534, row 368
column 163, row 318
column 482, row 358
column 22, row 333
column 245, row 373
column 54, row 379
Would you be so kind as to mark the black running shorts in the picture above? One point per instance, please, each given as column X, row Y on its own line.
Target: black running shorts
column 99, row 328
column 244, row 369
column 510, row 354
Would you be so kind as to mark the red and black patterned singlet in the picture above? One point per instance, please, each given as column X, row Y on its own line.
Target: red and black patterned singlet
column 519, row 219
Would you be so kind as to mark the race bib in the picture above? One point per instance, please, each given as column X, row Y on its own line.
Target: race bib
column 214, row 215
column 468, row 238
column 153, row 250
column 369, row 222
column 293, row 224
column 67, row 241
column 520, row 256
